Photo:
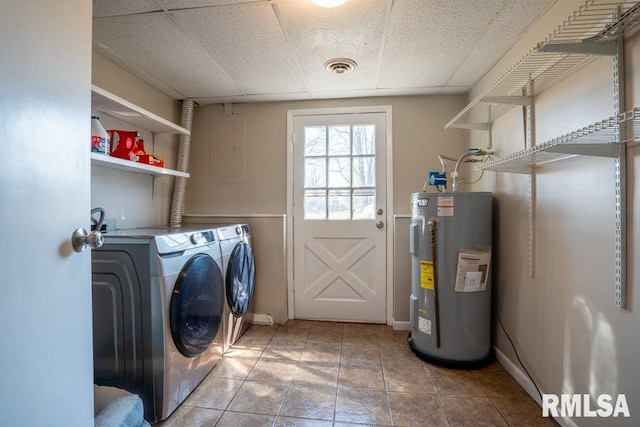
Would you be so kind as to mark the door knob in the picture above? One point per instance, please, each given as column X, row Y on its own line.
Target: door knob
column 80, row 239
column 379, row 224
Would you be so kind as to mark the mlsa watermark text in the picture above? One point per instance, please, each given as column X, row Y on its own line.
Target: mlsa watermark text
column 581, row 405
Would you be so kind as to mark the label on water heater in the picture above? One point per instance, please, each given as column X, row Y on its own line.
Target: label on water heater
column 445, row 206
column 472, row 270
column 424, row 325
column 426, row 274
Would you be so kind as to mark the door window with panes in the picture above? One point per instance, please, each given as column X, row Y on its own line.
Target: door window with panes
column 339, row 172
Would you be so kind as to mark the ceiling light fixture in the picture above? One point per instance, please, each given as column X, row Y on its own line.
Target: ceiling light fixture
column 340, row 65
column 329, row 3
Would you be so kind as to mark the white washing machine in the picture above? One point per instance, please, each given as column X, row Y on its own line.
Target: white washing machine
column 239, row 277
column 158, row 301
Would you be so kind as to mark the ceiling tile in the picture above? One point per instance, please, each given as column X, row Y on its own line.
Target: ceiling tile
column 186, row 4
column 500, row 36
column 352, row 31
column 103, row 8
column 158, row 48
column 248, row 42
column 428, row 39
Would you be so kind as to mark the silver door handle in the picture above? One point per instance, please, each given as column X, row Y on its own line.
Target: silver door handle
column 80, row 239
column 379, row 224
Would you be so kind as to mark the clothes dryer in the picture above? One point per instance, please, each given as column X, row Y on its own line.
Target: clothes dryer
column 158, row 299
column 239, row 277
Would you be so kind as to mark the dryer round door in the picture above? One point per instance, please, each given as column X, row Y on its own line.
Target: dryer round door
column 241, row 277
column 196, row 305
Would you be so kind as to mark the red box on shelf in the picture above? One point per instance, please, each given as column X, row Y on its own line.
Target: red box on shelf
column 124, row 144
column 150, row 159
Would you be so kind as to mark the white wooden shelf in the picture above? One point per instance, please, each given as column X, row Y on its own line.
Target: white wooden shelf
column 592, row 30
column 600, row 139
column 98, row 159
column 112, row 105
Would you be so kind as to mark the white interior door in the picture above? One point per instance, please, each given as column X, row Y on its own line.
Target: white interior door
column 340, row 218
column 45, row 308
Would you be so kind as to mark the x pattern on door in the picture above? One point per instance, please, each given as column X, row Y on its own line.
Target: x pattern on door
column 340, row 269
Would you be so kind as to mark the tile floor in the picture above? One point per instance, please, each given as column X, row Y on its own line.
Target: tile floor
column 306, row 373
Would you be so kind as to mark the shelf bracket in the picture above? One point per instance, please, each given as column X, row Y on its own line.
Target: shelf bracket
column 470, row 126
column 510, row 100
column 585, row 47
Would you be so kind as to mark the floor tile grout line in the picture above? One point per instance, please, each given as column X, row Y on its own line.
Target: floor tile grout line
column 290, row 384
column 498, row 410
column 244, row 380
column 384, row 382
column 446, row 413
column 284, row 398
column 335, row 404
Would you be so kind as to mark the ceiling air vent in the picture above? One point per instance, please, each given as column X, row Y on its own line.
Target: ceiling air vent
column 340, row 65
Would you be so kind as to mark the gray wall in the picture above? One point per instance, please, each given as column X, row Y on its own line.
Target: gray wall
column 563, row 320
column 402, row 268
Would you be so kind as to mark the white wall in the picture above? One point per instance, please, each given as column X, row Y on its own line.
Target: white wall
column 563, row 320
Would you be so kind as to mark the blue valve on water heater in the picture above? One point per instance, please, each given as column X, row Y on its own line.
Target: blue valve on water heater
column 437, row 179
column 440, row 180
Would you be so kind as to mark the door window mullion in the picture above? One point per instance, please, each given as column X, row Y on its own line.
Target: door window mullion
column 326, row 171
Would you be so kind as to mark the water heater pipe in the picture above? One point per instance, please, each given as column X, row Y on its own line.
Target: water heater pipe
column 454, row 175
column 180, row 183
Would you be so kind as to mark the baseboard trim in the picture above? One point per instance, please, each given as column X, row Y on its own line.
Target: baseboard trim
column 401, row 325
column 518, row 374
column 262, row 319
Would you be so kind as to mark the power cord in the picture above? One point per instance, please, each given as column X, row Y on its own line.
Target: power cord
column 517, row 356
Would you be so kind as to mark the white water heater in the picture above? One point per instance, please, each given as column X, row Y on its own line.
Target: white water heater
column 450, row 303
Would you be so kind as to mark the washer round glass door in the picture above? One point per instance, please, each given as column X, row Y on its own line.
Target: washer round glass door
column 196, row 305
column 241, row 278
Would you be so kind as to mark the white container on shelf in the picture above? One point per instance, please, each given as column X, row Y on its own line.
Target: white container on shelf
column 99, row 137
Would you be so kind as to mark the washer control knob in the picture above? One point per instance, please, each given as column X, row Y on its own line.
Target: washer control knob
column 197, row 238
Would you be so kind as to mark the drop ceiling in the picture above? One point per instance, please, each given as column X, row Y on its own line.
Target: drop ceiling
column 230, row 51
